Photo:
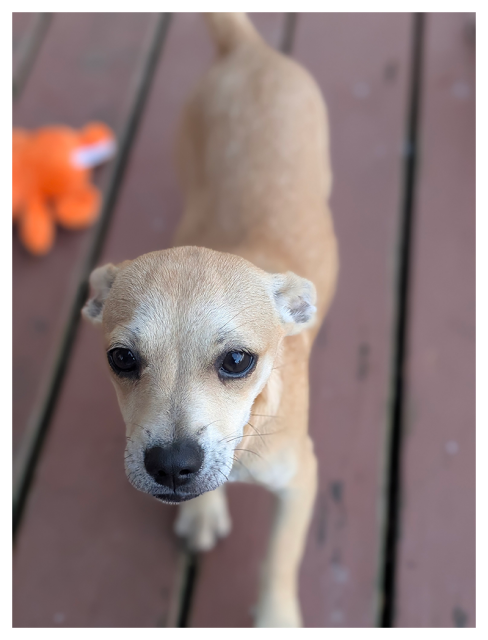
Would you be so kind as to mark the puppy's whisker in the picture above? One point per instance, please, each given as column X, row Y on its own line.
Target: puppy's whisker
column 241, row 463
column 229, row 435
column 249, row 451
column 134, row 424
column 223, row 474
column 202, row 429
column 238, row 326
column 249, row 435
column 253, row 427
column 127, row 329
column 234, row 317
column 286, row 364
column 140, row 426
column 271, row 433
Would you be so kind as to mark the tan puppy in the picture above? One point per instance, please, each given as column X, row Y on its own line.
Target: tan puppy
column 201, row 339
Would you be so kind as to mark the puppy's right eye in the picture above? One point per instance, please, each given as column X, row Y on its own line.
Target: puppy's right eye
column 236, row 364
column 122, row 360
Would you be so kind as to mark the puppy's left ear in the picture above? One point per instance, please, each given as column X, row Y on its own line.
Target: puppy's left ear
column 295, row 300
column 101, row 281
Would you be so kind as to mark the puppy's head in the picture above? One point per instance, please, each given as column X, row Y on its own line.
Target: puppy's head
column 191, row 336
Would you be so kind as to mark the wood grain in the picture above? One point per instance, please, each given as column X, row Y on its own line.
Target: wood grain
column 436, row 554
column 83, row 72
column 360, row 62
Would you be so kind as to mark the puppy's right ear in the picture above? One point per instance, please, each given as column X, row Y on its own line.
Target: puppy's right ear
column 101, row 281
column 295, row 299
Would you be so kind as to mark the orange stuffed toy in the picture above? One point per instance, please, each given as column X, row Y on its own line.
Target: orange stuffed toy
column 51, row 170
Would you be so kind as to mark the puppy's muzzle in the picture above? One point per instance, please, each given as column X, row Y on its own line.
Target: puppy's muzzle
column 174, row 465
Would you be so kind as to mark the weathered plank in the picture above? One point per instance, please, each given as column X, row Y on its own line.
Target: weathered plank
column 107, row 585
column 227, row 576
column 91, row 551
column 21, row 23
column 150, row 203
column 364, row 71
column 436, row 553
column 151, row 200
column 84, row 72
column 28, row 33
column 85, row 526
column 361, row 64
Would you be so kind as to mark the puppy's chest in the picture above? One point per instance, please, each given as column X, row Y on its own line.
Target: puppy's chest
column 273, row 472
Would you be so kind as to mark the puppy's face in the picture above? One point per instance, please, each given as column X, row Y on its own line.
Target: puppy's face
column 191, row 337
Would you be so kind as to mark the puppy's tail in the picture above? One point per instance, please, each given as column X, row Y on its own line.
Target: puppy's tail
column 229, row 30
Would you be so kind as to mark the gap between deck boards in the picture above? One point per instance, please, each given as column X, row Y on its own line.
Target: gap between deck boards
column 386, row 608
column 191, row 565
column 29, row 46
column 33, row 440
column 30, row 448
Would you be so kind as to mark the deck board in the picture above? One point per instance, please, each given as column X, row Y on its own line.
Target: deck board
column 75, row 511
column 28, row 33
column 86, row 552
column 436, row 556
column 21, row 24
column 365, row 84
column 144, row 220
column 133, row 567
column 83, row 72
column 93, row 552
column 22, row 27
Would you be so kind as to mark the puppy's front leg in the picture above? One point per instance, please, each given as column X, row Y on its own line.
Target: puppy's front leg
column 278, row 604
column 203, row 520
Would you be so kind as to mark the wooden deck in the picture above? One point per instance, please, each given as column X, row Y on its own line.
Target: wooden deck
column 392, row 541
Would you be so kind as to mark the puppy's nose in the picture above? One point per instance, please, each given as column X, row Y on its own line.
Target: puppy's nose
column 174, row 465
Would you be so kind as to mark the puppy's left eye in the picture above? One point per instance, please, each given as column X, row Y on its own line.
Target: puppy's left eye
column 122, row 360
column 236, row 364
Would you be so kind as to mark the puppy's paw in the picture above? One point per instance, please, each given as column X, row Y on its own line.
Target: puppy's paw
column 204, row 520
column 275, row 614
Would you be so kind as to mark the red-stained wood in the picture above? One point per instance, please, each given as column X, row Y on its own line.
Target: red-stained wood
column 64, row 513
column 436, row 553
column 227, row 577
column 84, row 71
column 226, row 587
column 21, row 23
column 361, row 62
column 149, row 212
column 92, row 551
column 28, row 33
column 150, row 200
